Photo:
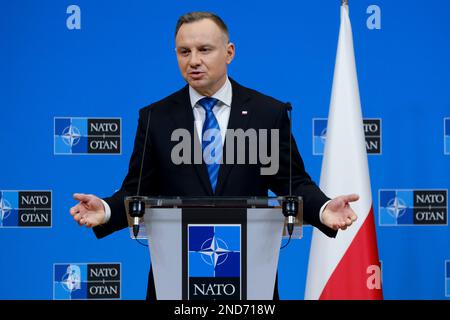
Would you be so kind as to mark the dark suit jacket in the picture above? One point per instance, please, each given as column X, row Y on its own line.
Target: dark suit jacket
column 160, row 177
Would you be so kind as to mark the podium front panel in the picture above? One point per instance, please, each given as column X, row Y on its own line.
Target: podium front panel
column 264, row 233
column 214, row 253
column 164, row 241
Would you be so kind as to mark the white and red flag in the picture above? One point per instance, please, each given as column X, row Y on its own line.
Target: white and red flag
column 346, row 267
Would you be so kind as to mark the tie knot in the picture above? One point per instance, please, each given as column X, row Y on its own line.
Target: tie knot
column 208, row 103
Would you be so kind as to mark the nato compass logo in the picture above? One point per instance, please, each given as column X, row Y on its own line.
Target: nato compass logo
column 86, row 281
column 447, row 278
column 372, row 131
column 87, row 136
column 214, row 262
column 25, row 209
column 447, row 136
column 412, row 207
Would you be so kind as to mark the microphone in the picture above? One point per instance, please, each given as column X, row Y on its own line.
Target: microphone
column 290, row 209
column 136, row 205
column 136, row 209
column 290, row 203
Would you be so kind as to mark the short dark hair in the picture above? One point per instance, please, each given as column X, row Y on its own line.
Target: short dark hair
column 200, row 15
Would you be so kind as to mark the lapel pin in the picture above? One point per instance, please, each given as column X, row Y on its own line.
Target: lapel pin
column 244, row 112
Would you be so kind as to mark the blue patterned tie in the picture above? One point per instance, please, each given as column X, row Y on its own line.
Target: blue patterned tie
column 211, row 137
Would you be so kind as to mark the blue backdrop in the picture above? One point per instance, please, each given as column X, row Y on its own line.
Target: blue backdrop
column 122, row 58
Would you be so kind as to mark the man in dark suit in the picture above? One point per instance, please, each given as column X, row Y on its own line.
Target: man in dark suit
column 211, row 100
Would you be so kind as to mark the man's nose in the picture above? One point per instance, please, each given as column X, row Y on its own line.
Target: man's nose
column 195, row 59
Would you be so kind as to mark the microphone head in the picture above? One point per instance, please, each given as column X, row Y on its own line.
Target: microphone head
column 136, row 207
column 290, row 206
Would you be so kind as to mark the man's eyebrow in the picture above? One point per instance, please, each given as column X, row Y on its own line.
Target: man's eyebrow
column 206, row 46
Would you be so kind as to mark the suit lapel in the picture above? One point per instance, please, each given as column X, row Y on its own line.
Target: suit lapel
column 239, row 115
column 183, row 117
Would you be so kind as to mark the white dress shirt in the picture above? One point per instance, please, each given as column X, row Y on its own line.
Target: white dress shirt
column 221, row 111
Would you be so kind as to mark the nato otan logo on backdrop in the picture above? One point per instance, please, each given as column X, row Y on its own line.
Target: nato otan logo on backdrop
column 86, row 281
column 447, row 278
column 214, row 262
column 25, row 209
column 372, row 131
column 412, row 207
column 75, row 136
column 447, row 136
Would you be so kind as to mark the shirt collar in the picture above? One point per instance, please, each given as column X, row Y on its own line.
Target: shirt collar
column 224, row 94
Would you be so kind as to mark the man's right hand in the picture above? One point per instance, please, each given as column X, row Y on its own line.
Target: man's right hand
column 89, row 212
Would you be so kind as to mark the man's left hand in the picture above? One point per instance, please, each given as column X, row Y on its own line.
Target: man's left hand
column 338, row 214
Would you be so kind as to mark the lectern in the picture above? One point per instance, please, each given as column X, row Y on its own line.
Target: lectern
column 218, row 248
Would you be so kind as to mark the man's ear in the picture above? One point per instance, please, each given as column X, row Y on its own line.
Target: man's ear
column 230, row 52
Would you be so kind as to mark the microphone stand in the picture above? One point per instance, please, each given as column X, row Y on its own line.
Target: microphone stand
column 290, row 203
column 136, row 206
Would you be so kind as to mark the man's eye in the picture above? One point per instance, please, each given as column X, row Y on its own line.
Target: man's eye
column 184, row 52
column 205, row 50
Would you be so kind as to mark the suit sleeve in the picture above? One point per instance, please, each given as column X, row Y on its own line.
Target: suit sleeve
column 302, row 185
column 129, row 186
